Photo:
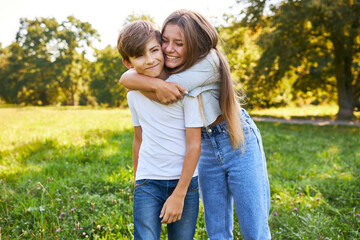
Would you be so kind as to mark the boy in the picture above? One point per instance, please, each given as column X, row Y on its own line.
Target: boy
column 166, row 146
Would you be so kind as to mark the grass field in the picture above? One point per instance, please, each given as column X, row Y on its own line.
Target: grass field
column 306, row 112
column 65, row 173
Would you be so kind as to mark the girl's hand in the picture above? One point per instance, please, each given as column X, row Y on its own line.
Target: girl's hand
column 168, row 92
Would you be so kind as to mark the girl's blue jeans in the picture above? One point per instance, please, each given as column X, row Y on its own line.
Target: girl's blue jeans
column 149, row 198
column 228, row 176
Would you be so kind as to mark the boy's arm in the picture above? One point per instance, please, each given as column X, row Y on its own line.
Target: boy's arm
column 136, row 147
column 173, row 207
column 165, row 92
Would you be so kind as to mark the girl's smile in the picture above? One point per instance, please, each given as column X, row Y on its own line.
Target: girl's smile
column 173, row 46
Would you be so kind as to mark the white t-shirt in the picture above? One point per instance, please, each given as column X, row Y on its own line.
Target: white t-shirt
column 163, row 145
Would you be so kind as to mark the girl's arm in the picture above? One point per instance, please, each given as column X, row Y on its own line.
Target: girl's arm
column 173, row 207
column 165, row 92
column 151, row 96
column 203, row 74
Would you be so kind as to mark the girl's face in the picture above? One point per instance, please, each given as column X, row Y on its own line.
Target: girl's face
column 173, row 46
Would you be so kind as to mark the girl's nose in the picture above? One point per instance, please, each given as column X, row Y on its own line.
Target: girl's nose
column 169, row 48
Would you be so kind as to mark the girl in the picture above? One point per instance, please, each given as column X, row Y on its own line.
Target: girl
column 232, row 165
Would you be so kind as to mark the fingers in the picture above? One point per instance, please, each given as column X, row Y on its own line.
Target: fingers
column 171, row 94
column 176, row 91
column 171, row 100
column 169, row 217
column 178, row 218
column 181, row 89
column 167, row 100
column 162, row 213
column 180, row 96
column 165, row 219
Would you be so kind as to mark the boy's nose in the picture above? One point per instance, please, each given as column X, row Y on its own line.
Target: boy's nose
column 149, row 59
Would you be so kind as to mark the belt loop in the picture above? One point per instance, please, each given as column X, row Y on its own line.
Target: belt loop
column 219, row 127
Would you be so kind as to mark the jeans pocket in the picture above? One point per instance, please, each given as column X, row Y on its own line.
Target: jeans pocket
column 141, row 182
column 194, row 184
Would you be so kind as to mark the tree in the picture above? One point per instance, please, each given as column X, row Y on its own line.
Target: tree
column 133, row 17
column 73, row 39
column 313, row 39
column 11, row 72
column 47, row 63
column 32, row 69
column 106, row 73
column 242, row 52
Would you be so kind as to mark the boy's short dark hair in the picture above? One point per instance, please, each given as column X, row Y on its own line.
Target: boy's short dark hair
column 134, row 36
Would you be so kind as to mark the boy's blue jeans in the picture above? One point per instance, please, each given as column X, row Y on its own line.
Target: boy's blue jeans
column 149, row 198
column 227, row 176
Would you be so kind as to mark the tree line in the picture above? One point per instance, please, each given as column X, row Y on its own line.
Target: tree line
column 49, row 64
column 284, row 52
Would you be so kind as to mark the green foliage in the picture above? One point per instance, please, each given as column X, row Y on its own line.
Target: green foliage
column 133, row 17
column 53, row 63
column 72, row 68
column 57, row 68
column 10, row 71
column 105, row 84
column 47, row 63
column 316, row 42
column 67, row 171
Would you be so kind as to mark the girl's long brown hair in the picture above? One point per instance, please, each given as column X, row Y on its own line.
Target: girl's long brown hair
column 199, row 38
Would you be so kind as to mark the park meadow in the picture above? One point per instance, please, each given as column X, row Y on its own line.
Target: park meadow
column 66, row 173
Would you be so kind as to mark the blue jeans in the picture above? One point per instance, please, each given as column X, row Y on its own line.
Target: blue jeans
column 227, row 176
column 149, row 198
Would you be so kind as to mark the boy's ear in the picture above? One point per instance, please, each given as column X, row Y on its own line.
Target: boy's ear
column 127, row 64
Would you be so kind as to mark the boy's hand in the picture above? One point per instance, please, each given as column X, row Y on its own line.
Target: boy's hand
column 169, row 92
column 172, row 209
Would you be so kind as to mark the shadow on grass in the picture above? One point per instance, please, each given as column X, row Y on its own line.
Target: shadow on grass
column 94, row 175
column 56, row 186
column 99, row 152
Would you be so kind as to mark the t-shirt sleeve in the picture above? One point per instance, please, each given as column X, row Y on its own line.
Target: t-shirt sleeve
column 192, row 112
column 201, row 74
column 131, row 103
column 191, row 78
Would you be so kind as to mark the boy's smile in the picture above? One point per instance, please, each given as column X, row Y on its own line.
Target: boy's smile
column 151, row 62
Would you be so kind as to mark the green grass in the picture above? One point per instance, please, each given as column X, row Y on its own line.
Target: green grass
column 69, row 169
column 306, row 112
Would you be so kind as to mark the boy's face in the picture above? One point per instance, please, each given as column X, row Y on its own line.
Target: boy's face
column 151, row 62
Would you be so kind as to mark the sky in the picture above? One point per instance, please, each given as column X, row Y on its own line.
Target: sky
column 106, row 16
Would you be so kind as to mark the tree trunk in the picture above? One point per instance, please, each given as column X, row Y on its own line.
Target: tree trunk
column 344, row 77
column 344, row 88
column 345, row 102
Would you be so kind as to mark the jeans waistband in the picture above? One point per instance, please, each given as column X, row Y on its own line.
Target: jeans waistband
column 215, row 129
column 222, row 127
